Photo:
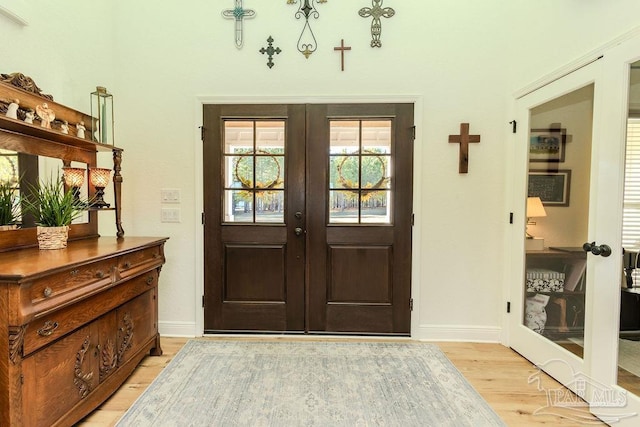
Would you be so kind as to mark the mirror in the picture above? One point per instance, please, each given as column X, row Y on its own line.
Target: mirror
column 23, row 171
column 629, row 333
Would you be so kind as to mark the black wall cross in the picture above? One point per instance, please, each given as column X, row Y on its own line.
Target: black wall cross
column 270, row 50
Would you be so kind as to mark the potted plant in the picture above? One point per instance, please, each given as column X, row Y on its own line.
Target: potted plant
column 54, row 209
column 9, row 208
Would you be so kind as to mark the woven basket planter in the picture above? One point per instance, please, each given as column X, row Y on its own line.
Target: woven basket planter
column 8, row 227
column 53, row 237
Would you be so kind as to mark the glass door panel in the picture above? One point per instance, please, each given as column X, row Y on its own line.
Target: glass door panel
column 628, row 372
column 360, row 169
column 254, row 158
column 557, row 216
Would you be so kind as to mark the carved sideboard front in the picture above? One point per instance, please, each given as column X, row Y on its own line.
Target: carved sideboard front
column 74, row 324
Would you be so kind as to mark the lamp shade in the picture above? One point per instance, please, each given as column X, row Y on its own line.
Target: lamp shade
column 535, row 208
column 73, row 177
column 100, row 177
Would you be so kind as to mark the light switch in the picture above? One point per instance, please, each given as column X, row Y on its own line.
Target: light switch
column 170, row 195
column 170, row 215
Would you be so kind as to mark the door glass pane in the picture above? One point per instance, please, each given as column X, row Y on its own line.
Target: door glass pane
column 629, row 336
column 360, row 165
column 375, row 206
column 254, row 161
column 269, row 206
column 557, row 210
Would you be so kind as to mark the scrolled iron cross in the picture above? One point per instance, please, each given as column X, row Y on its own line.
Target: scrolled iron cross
column 377, row 12
column 307, row 43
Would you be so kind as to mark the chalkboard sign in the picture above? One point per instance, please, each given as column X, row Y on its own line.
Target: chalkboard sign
column 551, row 187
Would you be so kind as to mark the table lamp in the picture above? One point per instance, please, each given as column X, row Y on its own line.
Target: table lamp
column 99, row 179
column 73, row 178
column 535, row 209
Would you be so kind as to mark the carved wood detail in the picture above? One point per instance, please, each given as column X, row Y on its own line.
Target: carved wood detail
column 108, row 359
column 125, row 335
column 25, row 83
column 82, row 380
column 16, row 342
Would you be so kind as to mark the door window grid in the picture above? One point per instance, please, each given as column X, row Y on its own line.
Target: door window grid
column 360, row 172
column 254, row 174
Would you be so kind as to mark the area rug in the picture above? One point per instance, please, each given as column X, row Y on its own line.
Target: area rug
column 240, row 383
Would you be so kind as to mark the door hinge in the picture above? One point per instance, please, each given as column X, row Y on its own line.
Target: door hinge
column 413, row 219
column 202, row 218
column 413, row 132
column 411, row 304
column 202, row 133
column 514, row 125
column 510, row 217
column 203, row 301
column 508, row 306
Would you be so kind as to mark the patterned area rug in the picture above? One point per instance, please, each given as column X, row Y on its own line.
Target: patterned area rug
column 239, row 383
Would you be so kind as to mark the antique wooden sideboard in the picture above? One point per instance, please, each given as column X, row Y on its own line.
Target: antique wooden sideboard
column 74, row 322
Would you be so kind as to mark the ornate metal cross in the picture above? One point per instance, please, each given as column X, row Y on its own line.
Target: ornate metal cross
column 376, row 12
column 464, row 139
column 342, row 48
column 307, row 43
column 238, row 13
column 270, row 50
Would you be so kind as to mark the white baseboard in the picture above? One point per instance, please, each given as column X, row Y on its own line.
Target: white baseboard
column 178, row 329
column 491, row 334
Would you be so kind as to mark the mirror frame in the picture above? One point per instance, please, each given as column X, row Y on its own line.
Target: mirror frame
column 19, row 136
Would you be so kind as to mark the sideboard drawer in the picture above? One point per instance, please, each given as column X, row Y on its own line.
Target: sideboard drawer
column 128, row 264
column 55, row 325
column 68, row 285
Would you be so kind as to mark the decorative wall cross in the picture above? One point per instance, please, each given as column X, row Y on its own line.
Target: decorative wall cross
column 376, row 12
column 307, row 43
column 238, row 13
column 464, row 139
column 342, row 48
column 270, row 50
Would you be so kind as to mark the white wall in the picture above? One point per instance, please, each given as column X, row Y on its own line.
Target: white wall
column 462, row 60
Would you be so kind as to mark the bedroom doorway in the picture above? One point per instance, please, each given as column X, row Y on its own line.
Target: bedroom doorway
column 307, row 218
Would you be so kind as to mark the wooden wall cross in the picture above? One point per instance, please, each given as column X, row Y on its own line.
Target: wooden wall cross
column 342, row 48
column 464, row 139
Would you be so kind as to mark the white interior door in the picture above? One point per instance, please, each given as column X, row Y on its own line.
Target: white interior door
column 566, row 284
column 555, row 187
column 614, row 346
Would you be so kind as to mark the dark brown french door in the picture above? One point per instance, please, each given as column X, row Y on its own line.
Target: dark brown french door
column 308, row 218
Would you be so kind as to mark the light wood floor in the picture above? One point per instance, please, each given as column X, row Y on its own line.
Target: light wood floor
column 498, row 373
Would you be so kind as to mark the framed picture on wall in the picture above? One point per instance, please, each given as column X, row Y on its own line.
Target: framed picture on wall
column 547, row 145
column 551, row 186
